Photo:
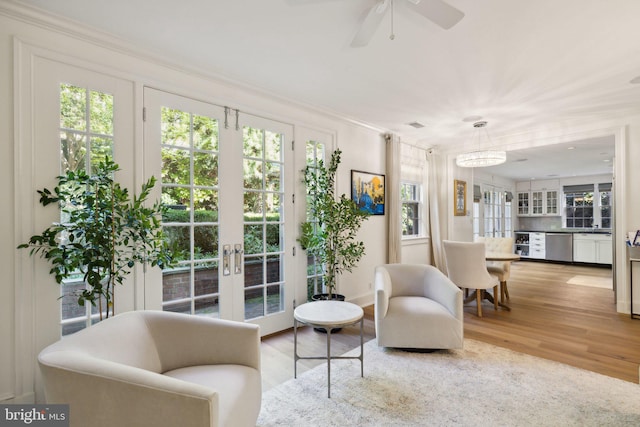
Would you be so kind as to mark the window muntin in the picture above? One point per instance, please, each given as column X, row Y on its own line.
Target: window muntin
column 606, row 209
column 492, row 212
column 579, row 209
column 410, row 197
column 263, row 166
column 86, row 138
column 315, row 152
column 189, row 180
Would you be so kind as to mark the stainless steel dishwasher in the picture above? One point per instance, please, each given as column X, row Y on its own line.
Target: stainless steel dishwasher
column 559, row 247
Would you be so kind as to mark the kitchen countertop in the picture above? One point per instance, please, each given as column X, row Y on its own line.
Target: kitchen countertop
column 566, row 231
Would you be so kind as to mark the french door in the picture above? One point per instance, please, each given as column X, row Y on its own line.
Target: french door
column 226, row 178
column 79, row 117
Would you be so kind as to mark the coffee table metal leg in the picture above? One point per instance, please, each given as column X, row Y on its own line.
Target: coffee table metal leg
column 295, row 348
column 362, row 347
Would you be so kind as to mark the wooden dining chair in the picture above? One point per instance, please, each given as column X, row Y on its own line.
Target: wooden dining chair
column 500, row 269
column 467, row 268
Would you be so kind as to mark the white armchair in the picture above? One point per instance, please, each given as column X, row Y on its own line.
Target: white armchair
column 499, row 269
column 154, row 368
column 416, row 306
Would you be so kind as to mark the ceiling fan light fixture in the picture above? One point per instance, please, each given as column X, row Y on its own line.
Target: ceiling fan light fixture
column 481, row 158
column 437, row 11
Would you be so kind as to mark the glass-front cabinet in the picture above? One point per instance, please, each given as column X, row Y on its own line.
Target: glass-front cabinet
column 551, row 203
column 523, row 203
column 538, row 198
column 537, row 202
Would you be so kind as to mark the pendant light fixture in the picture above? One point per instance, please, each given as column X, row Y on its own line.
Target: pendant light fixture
column 481, row 158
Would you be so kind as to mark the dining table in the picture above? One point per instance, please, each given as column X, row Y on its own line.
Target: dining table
column 505, row 257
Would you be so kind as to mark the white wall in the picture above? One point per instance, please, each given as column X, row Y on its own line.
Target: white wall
column 7, row 246
column 481, row 177
column 460, row 227
column 17, row 354
column 365, row 154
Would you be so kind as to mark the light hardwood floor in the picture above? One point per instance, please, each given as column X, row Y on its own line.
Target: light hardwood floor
column 573, row 324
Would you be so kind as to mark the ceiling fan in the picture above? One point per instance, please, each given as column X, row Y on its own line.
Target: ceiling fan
column 437, row 11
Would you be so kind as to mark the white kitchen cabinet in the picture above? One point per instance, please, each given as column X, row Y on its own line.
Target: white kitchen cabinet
column 530, row 244
column 537, row 245
column 544, row 184
column 604, row 251
column 551, row 202
column 523, row 203
column 522, row 243
column 537, row 203
column 538, row 198
column 592, row 248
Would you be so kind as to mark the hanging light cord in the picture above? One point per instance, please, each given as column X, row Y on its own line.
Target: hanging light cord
column 392, row 36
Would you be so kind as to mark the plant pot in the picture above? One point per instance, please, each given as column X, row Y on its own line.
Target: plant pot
column 327, row 297
column 322, row 297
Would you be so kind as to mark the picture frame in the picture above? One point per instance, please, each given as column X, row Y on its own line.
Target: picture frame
column 636, row 239
column 459, row 197
column 368, row 191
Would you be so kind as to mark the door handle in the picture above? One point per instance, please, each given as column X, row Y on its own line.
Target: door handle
column 237, row 262
column 226, row 253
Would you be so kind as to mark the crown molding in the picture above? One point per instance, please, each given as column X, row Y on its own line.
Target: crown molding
column 82, row 32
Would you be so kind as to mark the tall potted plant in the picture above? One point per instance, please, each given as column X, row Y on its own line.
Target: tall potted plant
column 104, row 232
column 330, row 237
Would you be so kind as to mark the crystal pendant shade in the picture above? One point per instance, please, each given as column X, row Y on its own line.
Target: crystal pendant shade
column 481, row 158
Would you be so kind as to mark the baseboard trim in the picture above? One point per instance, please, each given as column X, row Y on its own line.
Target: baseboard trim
column 24, row 399
column 363, row 300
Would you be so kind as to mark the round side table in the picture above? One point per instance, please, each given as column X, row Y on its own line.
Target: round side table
column 328, row 315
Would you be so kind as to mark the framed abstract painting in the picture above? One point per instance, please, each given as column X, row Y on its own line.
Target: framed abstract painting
column 367, row 191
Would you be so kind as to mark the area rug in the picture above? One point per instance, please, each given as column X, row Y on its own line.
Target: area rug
column 482, row 385
column 595, row 282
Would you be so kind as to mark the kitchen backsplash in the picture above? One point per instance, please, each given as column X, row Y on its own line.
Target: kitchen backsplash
column 539, row 223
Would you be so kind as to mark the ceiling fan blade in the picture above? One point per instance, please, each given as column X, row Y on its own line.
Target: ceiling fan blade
column 370, row 24
column 439, row 12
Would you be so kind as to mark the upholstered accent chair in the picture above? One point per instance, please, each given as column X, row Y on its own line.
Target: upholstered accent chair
column 154, row 368
column 467, row 268
column 417, row 307
column 499, row 269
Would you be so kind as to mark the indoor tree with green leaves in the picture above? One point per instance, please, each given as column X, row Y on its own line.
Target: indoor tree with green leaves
column 103, row 233
column 330, row 235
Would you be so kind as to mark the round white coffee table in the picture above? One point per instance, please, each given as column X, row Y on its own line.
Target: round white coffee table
column 328, row 315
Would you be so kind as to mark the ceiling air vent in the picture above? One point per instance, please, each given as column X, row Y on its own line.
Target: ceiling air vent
column 416, row 125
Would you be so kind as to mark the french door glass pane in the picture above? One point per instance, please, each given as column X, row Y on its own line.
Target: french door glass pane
column 209, row 306
column 190, row 194
column 205, row 167
column 263, row 234
column 315, row 153
column 206, row 278
column 86, row 138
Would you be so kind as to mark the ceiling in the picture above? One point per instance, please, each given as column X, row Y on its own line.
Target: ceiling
column 594, row 156
column 522, row 65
